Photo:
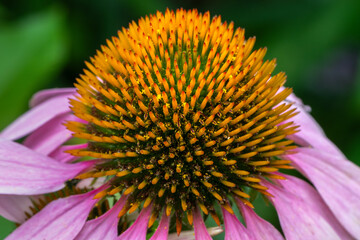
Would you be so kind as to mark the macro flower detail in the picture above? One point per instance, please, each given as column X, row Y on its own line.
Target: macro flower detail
column 178, row 117
column 182, row 117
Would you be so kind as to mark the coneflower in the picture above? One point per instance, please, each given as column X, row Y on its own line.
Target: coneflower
column 181, row 113
column 180, row 118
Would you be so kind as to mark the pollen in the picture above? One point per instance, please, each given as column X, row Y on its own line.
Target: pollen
column 180, row 112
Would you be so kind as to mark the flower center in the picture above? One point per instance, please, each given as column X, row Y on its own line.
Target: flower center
column 181, row 113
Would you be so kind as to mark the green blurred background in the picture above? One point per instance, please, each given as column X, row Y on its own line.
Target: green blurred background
column 43, row 44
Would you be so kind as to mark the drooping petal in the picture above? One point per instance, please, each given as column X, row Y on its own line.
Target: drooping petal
column 309, row 195
column 60, row 155
column 51, row 135
column 304, row 112
column 298, row 219
column 61, row 219
column 46, row 94
column 162, row 230
column 234, row 228
column 201, row 232
column 23, row 171
column 307, row 138
column 137, row 231
column 338, row 182
column 104, row 227
column 310, row 134
column 342, row 164
column 259, row 228
column 13, row 207
column 36, row 117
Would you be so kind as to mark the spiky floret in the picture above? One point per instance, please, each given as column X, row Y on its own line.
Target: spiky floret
column 180, row 113
column 39, row 202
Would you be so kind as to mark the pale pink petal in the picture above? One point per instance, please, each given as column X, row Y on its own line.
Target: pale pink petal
column 13, row 207
column 344, row 165
column 234, row 228
column 61, row 219
column 201, row 232
column 104, row 227
column 138, row 230
column 23, row 171
column 259, row 228
column 36, row 117
column 309, row 195
column 311, row 134
column 60, row 155
column 46, row 94
column 304, row 115
column 92, row 183
column 298, row 219
column 51, row 135
column 162, row 230
column 337, row 181
column 306, row 138
column 184, row 235
column 190, row 234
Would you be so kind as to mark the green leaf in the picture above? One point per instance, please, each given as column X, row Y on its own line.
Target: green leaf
column 32, row 52
column 6, row 227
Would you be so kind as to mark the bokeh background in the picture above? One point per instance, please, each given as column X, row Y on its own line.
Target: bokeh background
column 44, row 44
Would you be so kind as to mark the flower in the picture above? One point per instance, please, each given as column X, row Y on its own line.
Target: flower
column 178, row 118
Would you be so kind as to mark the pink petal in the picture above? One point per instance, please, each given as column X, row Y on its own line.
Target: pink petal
column 138, row 230
column 45, row 95
column 338, row 182
column 298, row 218
column 259, row 228
column 36, row 117
column 305, row 116
column 60, row 155
column 60, row 219
column 311, row 134
column 201, row 232
column 234, row 228
column 50, row 135
column 13, row 207
column 104, row 227
column 347, row 167
column 26, row 172
column 162, row 230
column 306, row 138
column 309, row 195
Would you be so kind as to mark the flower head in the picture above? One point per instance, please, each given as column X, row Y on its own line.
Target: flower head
column 181, row 117
column 182, row 113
